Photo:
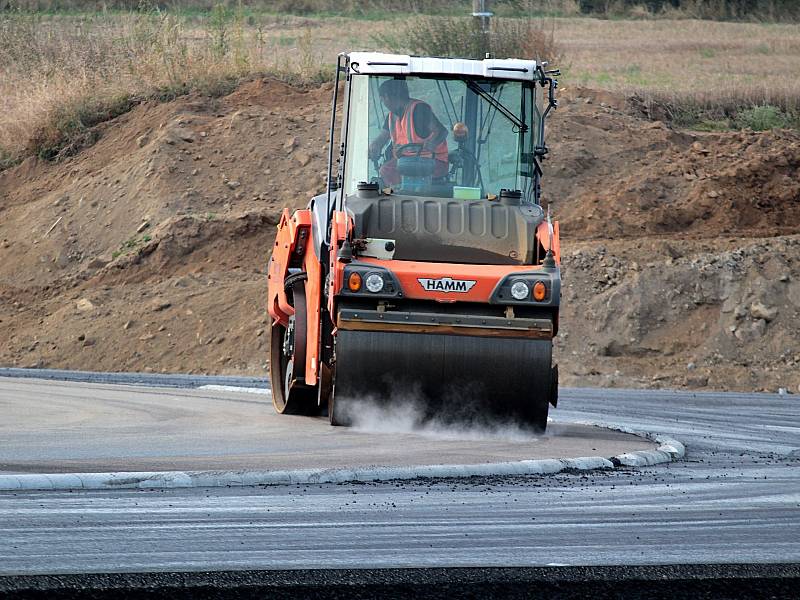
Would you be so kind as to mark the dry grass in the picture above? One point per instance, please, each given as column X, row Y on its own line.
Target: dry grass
column 687, row 56
column 61, row 74
column 702, row 67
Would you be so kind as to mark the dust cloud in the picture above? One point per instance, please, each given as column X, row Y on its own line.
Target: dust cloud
column 450, row 421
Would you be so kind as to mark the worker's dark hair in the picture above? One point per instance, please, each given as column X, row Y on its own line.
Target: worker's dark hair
column 394, row 88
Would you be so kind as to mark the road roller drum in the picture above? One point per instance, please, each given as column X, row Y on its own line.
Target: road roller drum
column 450, row 379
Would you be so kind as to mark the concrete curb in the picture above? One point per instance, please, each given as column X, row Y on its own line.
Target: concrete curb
column 668, row 450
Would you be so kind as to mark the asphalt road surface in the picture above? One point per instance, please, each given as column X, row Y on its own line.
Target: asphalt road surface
column 734, row 499
column 668, row 582
column 50, row 427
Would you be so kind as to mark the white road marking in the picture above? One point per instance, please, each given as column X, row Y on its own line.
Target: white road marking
column 233, row 388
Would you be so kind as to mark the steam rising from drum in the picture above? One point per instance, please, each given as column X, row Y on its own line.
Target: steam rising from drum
column 455, row 419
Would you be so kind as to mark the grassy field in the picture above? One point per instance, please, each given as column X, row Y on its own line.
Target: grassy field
column 702, row 70
column 60, row 74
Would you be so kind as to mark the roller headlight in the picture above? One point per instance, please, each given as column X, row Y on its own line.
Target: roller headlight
column 374, row 283
column 519, row 290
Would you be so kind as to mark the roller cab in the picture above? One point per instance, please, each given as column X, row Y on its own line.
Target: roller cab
column 428, row 273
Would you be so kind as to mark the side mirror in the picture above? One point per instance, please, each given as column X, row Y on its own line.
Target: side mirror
column 460, row 132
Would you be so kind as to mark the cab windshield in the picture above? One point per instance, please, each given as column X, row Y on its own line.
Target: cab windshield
column 442, row 137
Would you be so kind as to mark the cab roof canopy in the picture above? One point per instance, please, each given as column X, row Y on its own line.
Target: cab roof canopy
column 378, row 63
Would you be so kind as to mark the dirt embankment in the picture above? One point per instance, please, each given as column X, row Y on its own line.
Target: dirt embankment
column 615, row 175
column 148, row 250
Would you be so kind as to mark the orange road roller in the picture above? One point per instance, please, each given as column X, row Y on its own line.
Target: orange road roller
column 428, row 273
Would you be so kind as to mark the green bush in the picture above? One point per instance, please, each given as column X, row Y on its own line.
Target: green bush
column 770, row 10
column 762, row 118
column 720, row 112
column 462, row 38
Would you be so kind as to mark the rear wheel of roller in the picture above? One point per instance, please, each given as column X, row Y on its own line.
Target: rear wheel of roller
column 287, row 360
column 337, row 411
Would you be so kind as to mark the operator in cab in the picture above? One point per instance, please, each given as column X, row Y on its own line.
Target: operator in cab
column 409, row 121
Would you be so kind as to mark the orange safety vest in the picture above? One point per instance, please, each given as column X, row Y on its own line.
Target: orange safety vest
column 403, row 132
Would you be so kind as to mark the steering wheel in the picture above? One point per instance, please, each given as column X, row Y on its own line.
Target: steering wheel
column 408, row 150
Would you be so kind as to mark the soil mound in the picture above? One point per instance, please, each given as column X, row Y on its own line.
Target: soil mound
column 720, row 313
column 148, row 251
column 194, row 157
column 613, row 174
